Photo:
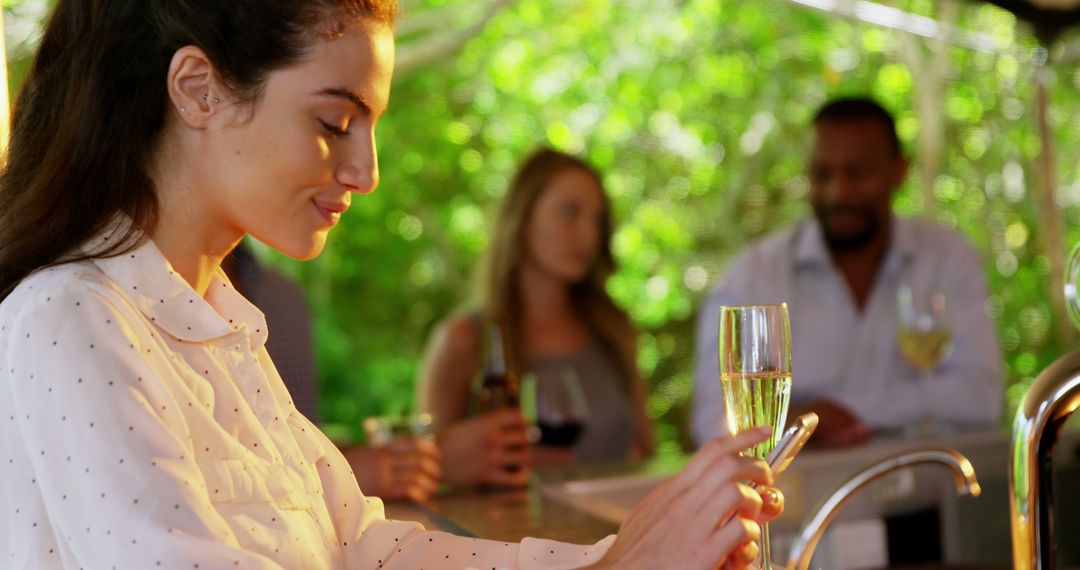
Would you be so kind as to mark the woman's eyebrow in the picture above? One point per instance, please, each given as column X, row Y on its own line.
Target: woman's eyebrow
column 350, row 96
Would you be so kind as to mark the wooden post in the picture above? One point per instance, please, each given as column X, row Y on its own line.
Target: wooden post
column 932, row 68
column 5, row 100
column 1053, row 227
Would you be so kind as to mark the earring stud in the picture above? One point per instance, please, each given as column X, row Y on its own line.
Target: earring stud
column 183, row 109
column 208, row 97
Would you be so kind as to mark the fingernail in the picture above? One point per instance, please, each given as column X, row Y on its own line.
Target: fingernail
column 765, row 430
column 770, row 496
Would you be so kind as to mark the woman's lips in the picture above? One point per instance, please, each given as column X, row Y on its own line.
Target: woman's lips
column 330, row 211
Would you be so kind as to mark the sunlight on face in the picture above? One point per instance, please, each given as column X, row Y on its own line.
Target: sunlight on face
column 288, row 171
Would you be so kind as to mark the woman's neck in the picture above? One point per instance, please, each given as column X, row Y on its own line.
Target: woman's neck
column 544, row 297
column 188, row 232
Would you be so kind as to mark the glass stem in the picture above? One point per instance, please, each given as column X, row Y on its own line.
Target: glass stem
column 764, row 550
column 928, row 381
column 928, row 427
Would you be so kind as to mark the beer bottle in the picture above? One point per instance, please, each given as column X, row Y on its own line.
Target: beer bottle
column 499, row 388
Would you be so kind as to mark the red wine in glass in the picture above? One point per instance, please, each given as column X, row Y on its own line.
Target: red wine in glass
column 561, row 409
column 564, row 434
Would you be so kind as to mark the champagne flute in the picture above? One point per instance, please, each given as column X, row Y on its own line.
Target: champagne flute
column 755, row 374
column 925, row 340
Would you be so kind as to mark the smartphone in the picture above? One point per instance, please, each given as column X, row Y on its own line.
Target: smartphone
column 793, row 441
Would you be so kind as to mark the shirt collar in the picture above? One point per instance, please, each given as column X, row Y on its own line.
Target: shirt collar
column 810, row 245
column 167, row 300
column 810, row 250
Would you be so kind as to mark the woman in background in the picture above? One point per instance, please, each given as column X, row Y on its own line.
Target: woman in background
column 542, row 284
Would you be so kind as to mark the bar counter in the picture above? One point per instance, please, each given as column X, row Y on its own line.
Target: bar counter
column 584, row 504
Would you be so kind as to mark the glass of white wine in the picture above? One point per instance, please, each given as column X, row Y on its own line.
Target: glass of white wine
column 755, row 374
column 925, row 340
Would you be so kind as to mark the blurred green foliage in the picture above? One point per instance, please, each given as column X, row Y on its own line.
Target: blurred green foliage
column 696, row 112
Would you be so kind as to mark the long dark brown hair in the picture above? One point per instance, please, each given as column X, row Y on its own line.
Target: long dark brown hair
column 498, row 284
column 88, row 121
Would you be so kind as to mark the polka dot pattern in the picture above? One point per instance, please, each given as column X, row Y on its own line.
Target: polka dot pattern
column 132, row 441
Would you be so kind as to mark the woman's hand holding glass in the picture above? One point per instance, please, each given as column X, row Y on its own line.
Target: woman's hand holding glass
column 707, row 516
column 490, row 449
column 406, row 468
column 400, row 461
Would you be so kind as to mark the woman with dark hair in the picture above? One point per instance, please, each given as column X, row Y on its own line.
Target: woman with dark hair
column 543, row 284
column 142, row 422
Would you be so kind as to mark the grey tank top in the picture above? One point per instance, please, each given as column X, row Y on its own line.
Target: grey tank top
column 608, row 432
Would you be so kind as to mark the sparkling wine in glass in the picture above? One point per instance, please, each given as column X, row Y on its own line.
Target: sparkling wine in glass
column 755, row 375
column 925, row 340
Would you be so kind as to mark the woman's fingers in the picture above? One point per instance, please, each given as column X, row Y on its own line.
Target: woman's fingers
column 732, row 535
column 512, row 440
column 742, row 557
column 707, row 516
column 417, row 492
column 510, row 455
column 734, row 500
column 725, row 471
column 507, row 461
column 750, row 503
column 417, row 462
column 719, row 447
column 512, row 478
column 508, row 419
column 422, row 482
column 746, row 469
column 413, row 485
column 772, row 503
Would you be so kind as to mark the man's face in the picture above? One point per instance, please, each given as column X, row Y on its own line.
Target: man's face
column 854, row 172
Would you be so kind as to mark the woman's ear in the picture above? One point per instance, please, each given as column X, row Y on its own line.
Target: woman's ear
column 194, row 90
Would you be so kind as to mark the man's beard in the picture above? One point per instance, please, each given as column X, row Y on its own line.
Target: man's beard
column 852, row 240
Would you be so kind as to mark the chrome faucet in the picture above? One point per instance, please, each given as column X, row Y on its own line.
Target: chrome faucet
column 810, row 534
column 1052, row 398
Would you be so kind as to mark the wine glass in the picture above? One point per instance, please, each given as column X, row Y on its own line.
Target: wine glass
column 561, row 409
column 925, row 340
column 556, row 404
column 755, row 375
column 383, row 430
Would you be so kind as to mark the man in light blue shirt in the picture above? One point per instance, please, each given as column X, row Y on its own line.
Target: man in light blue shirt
column 840, row 273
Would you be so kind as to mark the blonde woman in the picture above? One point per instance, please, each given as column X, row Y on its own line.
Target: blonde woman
column 543, row 285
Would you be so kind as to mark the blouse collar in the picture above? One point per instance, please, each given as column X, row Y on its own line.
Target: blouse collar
column 167, row 300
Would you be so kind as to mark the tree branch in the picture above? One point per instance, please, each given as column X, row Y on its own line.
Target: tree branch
column 414, row 55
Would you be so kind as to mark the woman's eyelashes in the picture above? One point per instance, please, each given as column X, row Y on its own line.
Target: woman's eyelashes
column 334, row 130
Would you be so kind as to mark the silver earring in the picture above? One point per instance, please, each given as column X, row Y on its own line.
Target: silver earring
column 183, row 109
column 207, row 97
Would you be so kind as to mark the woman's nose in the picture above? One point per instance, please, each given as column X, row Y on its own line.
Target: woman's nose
column 360, row 172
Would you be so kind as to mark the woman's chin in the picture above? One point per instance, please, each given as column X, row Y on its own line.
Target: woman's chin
column 299, row 249
column 573, row 275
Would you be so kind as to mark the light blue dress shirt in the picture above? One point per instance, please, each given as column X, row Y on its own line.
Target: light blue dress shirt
column 853, row 358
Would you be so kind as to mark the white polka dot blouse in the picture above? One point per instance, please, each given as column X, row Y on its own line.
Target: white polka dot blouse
column 143, row 426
